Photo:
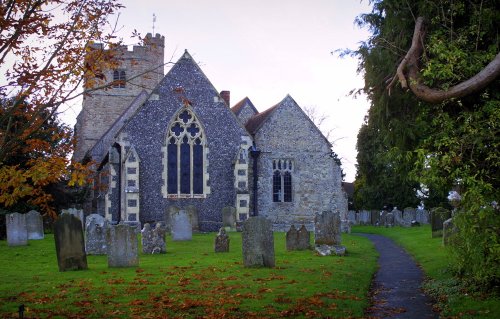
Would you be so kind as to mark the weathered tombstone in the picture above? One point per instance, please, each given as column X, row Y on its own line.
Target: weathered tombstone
column 221, row 241
column 95, row 235
column 193, row 217
column 438, row 216
column 327, row 228
column 398, row 218
column 258, row 242
column 449, row 231
column 34, row 225
column 351, row 217
column 292, row 237
column 17, row 232
column 153, row 239
column 422, row 216
column 375, row 216
column 364, row 217
column 78, row 213
column 70, row 246
column 389, row 220
column 171, row 210
column 345, row 226
column 303, row 238
column 181, row 226
column 409, row 214
column 229, row 217
column 122, row 246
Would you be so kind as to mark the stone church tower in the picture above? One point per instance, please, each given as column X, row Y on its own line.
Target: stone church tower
column 139, row 69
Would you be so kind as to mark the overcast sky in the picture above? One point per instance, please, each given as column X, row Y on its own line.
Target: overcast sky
column 266, row 49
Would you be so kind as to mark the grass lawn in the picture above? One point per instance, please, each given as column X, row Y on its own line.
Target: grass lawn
column 190, row 281
column 434, row 259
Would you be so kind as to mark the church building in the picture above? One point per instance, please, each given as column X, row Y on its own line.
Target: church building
column 174, row 141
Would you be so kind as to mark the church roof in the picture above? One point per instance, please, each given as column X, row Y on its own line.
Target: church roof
column 241, row 104
column 256, row 121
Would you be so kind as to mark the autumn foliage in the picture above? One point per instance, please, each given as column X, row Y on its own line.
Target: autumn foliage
column 42, row 50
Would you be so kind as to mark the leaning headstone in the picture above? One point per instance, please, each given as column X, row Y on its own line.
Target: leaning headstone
column 327, row 228
column 95, row 235
column 70, row 246
column 17, row 232
column 438, row 216
column 34, row 225
column 122, row 246
column 181, row 226
column 292, row 237
column 221, row 241
column 303, row 238
column 229, row 217
column 153, row 239
column 449, row 231
column 258, row 242
column 78, row 213
column 193, row 217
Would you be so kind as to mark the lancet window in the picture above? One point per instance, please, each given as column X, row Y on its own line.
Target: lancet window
column 282, row 180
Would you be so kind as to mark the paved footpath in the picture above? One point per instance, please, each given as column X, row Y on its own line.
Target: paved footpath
column 396, row 287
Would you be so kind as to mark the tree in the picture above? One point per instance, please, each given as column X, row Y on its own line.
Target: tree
column 42, row 56
column 455, row 124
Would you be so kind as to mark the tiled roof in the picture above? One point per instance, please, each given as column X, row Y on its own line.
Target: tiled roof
column 256, row 121
column 241, row 104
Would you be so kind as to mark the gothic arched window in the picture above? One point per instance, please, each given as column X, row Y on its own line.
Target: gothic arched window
column 282, row 180
column 119, row 79
column 185, row 155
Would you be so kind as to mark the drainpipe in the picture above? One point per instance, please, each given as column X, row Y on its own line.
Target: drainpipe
column 255, row 152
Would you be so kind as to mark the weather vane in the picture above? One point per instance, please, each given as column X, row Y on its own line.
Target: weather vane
column 154, row 20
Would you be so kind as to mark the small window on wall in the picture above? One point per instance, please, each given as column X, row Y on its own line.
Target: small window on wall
column 132, row 203
column 131, row 170
column 119, row 79
column 131, row 183
column 282, row 180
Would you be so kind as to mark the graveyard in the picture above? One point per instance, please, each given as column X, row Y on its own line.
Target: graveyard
column 156, row 274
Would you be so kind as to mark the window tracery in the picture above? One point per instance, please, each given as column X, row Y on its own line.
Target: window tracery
column 282, row 180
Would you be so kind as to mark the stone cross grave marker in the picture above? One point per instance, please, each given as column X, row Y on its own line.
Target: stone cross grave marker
column 70, row 246
column 181, row 226
column 34, row 225
column 258, row 242
column 122, row 246
column 221, row 241
column 17, row 232
column 95, row 235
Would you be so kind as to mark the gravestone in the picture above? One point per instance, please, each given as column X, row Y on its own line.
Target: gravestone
column 327, row 250
column 345, row 226
column 409, row 214
column 364, row 217
column 398, row 218
column 34, row 225
column 153, row 239
column 229, row 217
column 327, row 228
column 292, row 238
column 78, row 213
column 17, row 232
column 95, row 235
column 168, row 216
column 449, row 231
column 258, row 242
column 193, row 217
column 303, row 238
column 438, row 216
column 121, row 241
column 70, row 246
column 221, row 241
column 389, row 219
column 375, row 215
column 422, row 216
column 181, row 226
